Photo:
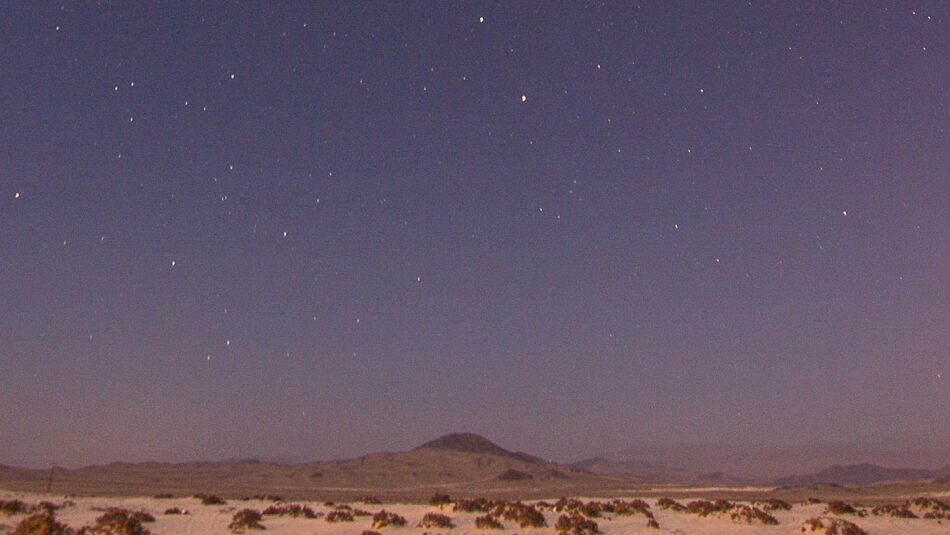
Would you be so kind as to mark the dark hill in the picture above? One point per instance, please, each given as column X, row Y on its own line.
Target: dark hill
column 858, row 474
column 472, row 443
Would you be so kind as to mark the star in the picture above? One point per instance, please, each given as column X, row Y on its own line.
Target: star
column 16, row 195
column 524, row 98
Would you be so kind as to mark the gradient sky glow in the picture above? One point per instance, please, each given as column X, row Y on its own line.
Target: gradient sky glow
column 311, row 230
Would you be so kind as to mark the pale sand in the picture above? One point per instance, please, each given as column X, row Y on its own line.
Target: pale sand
column 215, row 519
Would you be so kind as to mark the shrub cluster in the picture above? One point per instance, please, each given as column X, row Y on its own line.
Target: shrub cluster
column 838, row 507
column 488, row 522
column 119, row 522
column 438, row 500
column 575, row 524
column 368, row 500
column 244, row 520
column 339, row 516
column 293, row 510
column 436, row 520
column 772, row 505
column 13, row 507
column 831, row 526
column 210, row 499
column 384, row 518
column 895, row 511
column 42, row 524
column 669, row 504
column 751, row 515
column 526, row 516
column 705, row 507
column 176, row 511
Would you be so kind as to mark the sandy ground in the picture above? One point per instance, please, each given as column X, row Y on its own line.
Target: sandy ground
column 208, row 519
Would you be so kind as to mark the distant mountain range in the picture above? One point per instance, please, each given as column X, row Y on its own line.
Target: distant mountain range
column 461, row 464
column 863, row 474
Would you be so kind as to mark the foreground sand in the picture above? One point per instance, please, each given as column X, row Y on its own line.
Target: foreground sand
column 208, row 519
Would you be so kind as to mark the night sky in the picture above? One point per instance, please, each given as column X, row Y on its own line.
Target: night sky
column 315, row 230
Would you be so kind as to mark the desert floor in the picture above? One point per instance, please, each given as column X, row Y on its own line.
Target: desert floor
column 201, row 519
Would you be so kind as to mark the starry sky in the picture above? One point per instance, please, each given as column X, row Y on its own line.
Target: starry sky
column 312, row 230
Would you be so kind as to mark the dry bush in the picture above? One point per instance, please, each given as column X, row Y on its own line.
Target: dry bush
column 343, row 507
column 13, row 507
column 477, row 505
column 544, row 506
column 631, row 508
column 435, row 520
column 370, row 532
column 670, row 504
column 164, row 496
column 930, row 508
column 339, row 516
column 244, row 520
column 361, row 512
column 575, row 524
column 831, row 526
column 488, row 522
column 176, row 511
column 751, row 515
column 894, row 511
column 811, row 501
column 267, row 498
column 210, row 499
column 368, row 500
column 838, row 507
column 705, row 508
column 772, row 505
column 42, row 524
column 438, row 500
column 525, row 515
column 118, row 522
column 293, row 510
column 384, row 518
column 652, row 523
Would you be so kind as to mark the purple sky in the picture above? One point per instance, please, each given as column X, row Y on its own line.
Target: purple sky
column 307, row 230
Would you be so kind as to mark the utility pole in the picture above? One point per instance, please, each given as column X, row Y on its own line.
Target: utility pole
column 49, row 482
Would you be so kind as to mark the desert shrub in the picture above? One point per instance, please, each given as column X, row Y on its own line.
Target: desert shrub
column 438, row 500
column 831, row 526
column 567, row 504
column 838, row 507
column 117, row 522
column 670, row 504
column 488, row 522
column 244, row 520
column 435, row 520
column 895, row 511
column 368, row 500
column 751, row 515
column 575, row 524
column 544, row 506
column 176, row 511
column 12, row 507
column 652, row 523
column 772, row 505
column 41, row 524
column 370, row 532
column 339, row 516
column 930, row 508
column 811, row 501
column 210, row 499
column 164, row 496
column 293, row 510
column 343, row 507
column 525, row 515
column 477, row 505
column 361, row 512
column 384, row 518
column 631, row 508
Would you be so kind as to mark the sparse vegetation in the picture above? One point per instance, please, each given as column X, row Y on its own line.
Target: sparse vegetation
column 772, row 505
column 370, row 532
column 176, row 511
column 339, row 516
column 514, row 475
column 119, row 522
column 525, row 515
column 895, row 511
column 244, row 520
column 831, row 526
column 751, row 515
column 368, row 500
column 42, row 524
column 576, row 524
column 164, row 496
column 13, row 507
column 669, row 504
column 930, row 508
column 838, row 507
column 268, row 498
column 210, row 499
column 488, row 522
column 477, row 505
column 293, row 510
column 384, row 519
column 705, row 508
column 436, row 520
column 361, row 512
